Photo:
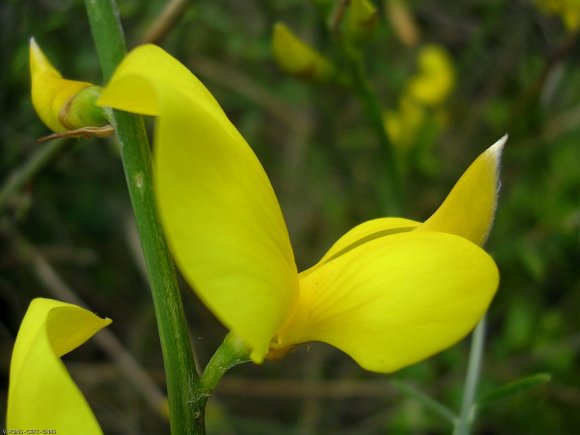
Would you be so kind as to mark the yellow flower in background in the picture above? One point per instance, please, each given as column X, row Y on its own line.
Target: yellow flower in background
column 389, row 293
column 422, row 99
column 63, row 105
column 404, row 124
column 41, row 394
column 435, row 80
column 298, row 58
column 569, row 10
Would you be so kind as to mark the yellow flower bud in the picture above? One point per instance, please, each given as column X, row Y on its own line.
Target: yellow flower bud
column 298, row 58
column 63, row 105
column 361, row 20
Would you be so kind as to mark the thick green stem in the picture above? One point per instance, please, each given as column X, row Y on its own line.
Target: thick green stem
column 463, row 424
column 181, row 375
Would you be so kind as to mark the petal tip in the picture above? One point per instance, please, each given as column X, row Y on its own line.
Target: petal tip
column 497, row 148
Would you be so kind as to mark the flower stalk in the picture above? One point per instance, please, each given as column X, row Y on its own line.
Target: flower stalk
column 390, row 188
column 181, row 375
column 466, row 415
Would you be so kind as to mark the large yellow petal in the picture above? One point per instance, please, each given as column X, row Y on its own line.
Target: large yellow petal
column 394, row 300
column 42, row 394
column 50, row 92
column 469, row 209
column 219, row 211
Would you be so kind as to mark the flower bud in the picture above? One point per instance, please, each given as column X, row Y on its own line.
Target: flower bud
column 361, row 20
column 63, row 105
column 297, row 58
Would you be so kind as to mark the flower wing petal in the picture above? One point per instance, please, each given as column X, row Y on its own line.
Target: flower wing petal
column 395, row 300
column 219, row 211
column 367, row 231
column 469, row 209
column 41, row 392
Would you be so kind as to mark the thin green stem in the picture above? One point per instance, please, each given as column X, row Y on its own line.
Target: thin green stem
column 232, row 352
column 181, row 374
column 390, row 190
column 466, row 415
column 45, row 154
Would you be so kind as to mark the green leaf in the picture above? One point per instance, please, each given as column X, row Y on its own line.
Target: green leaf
column 516, row 387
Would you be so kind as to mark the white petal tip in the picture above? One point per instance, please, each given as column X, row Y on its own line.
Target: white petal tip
column 497, row 148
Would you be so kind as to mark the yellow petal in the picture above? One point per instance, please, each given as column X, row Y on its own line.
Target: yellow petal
column 367, row 231
column 42, row 394
column 469, row 209
column 394, row 300
column 50, row 92
column 218, row 209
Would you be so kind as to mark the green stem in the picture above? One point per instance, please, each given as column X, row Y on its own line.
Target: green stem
column 181, row 375
column 463, row 424
column 390, row 191
column 231, row 353
column 28, row 170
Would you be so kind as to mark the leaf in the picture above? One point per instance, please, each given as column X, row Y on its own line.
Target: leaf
column 511, row 389
column 428, row 402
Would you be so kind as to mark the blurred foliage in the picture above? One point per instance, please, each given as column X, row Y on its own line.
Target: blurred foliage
column 516, row 71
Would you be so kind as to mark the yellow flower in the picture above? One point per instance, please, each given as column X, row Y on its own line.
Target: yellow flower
column 63, row 105
column 298, row 58
column 436, row 77
column 389, row 293
column 424, row 94
column 41, row 394
column 404, row 124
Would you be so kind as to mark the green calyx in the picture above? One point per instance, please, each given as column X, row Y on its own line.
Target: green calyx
column 81, row 111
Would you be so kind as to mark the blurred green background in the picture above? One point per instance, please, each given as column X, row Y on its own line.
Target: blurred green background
column 516, row 70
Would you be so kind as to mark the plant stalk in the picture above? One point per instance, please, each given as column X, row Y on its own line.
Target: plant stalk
column 466, row 415
column 181, row 374
column 390, row 178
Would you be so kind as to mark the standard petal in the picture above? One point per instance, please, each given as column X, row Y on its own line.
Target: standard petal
column 42, row 394
column 394, row 300
column 219, row 211
column 469, row 209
